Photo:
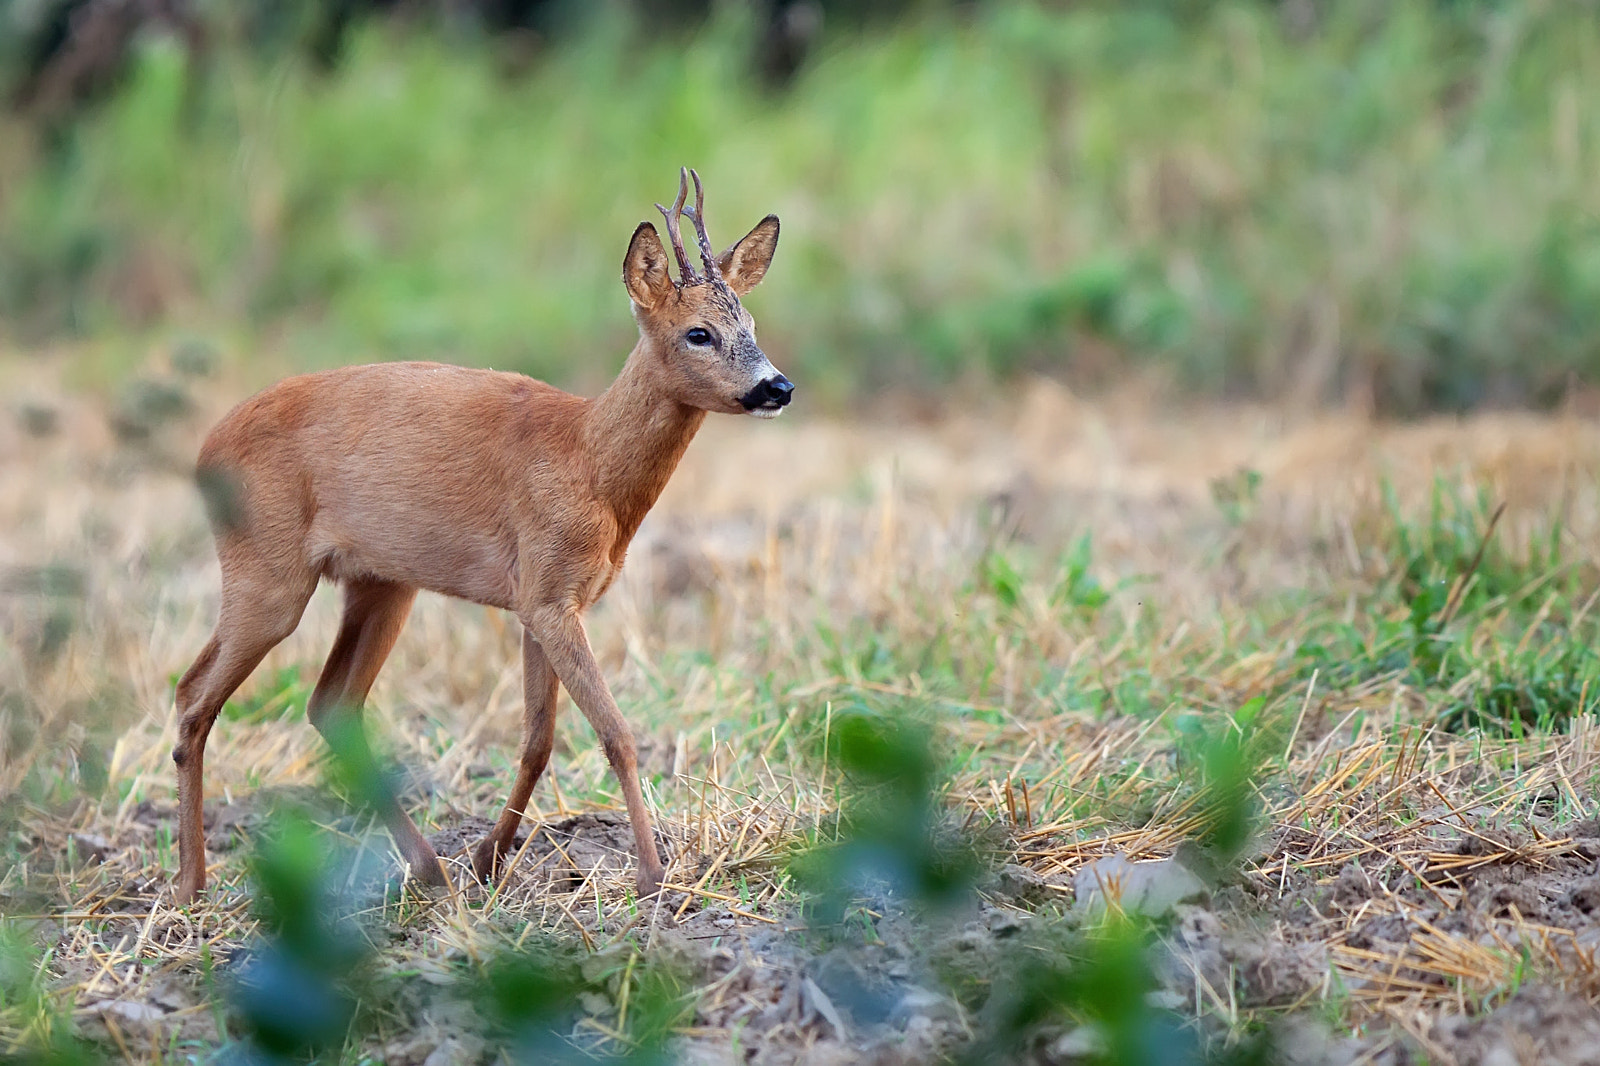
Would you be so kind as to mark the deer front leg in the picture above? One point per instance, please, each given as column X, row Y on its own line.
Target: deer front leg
column 559, row 632
column 539, row 737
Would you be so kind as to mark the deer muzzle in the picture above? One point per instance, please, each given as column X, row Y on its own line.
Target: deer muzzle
column 769, row 396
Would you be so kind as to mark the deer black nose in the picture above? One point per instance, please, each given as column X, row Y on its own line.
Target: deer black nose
column 772, row 393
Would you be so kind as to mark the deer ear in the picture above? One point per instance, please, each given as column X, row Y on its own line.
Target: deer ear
column 644, row 268
column 745, row 264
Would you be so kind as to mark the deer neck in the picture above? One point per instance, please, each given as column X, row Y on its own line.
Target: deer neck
column 635, row 435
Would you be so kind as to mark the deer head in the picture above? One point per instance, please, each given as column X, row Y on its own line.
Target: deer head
column 701, row 335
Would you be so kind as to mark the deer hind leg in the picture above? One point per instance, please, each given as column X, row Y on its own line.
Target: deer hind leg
column 560, row 633
column 374, row 614
column 539, row 736
column 258, row 610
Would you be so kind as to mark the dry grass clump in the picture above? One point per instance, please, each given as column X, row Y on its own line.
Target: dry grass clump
column 1420, row 853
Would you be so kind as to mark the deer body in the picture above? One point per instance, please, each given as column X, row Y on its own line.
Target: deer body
column 490, row 487
column 485, row 486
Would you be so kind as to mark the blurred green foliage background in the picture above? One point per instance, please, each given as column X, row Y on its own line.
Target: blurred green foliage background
column 1387, row 203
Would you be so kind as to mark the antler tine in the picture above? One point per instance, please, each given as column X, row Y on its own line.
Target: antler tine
column 698, row 217
column 686, row 273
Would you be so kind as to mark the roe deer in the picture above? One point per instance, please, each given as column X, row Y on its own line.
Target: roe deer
column 490, row 487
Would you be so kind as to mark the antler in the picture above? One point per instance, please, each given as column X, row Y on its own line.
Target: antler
column 698, row 217
column 686, row 273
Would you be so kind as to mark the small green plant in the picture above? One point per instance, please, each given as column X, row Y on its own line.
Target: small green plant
column 530, row 999
column 1224, row 755
column 1236, row 494
column 532, row 996
column 28, row 1008
column 1076, row 589
column 147, row 405
column 893, row 836
column 998, row 575
column 296, row 993
column 1099, row 981
column 52, row 596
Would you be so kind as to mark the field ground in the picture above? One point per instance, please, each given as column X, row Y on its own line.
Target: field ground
column 1421, row 882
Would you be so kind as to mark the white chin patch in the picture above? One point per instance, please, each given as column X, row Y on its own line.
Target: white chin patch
column 765, row 412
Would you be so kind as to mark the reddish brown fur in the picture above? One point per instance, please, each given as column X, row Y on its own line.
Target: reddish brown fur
column 491, row 487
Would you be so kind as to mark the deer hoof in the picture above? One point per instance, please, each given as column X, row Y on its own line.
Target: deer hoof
column 486, row 860
column 649, row 881
column 427, row 870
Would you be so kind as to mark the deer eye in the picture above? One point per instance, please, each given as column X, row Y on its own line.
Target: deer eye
column 697, row 336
